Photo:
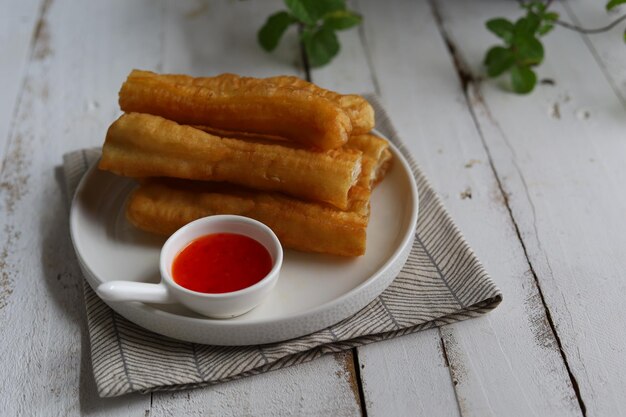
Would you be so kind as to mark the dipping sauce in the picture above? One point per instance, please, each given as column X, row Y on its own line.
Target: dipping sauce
column 220, row 263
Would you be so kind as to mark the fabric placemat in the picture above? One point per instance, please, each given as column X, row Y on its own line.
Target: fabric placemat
column 442, row 282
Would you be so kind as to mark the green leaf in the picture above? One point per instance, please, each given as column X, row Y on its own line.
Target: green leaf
column 498, row 60
column 545, row 28
column 526, row 26
column 552, row 16
column 528, row 50
column 342, row 19
column 523, row 79
column 310, row 11
column 324, row 7
column 502, row 28
column 301, row 9
column 624, row 35
column 321, row 45
column 614, row 3
column 271, row 32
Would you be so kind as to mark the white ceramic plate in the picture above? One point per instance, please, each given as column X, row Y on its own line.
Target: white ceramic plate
column 313, row 291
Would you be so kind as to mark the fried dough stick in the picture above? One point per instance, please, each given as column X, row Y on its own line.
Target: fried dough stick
column 142, row 145
column 359, row 110
column 368, row 143
column 375, row 148
column 356, row 107
column 164, row 205
column 382, row 166
column 259, row 107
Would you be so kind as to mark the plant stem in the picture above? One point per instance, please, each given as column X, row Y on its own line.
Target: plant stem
column 305, row 57
column 591, row 31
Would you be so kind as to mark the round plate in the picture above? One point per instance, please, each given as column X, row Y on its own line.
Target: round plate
column 313, row 291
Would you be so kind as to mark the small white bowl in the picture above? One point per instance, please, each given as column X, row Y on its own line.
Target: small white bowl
column 223, row 305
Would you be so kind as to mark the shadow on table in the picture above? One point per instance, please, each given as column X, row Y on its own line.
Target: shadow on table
column 64, row 282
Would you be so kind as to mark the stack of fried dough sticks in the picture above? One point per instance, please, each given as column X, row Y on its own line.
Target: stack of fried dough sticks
column 280, row 150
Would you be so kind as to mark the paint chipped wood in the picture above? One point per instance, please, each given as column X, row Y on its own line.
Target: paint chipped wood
column 63, row 63
column 45, row 354
column 563, row 179
column 495, row 360
column 317, row 388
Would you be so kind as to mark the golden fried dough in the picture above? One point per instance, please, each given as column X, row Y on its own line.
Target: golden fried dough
column 163, row 205
column 246, row 136
column 382, row 166
column 359, row 110
column 356, row 107
column 142, row 145
column 253, row 107
column 369, row 144
column 377, row 150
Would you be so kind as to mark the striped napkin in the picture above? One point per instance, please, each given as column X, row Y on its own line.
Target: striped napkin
column 442, row 282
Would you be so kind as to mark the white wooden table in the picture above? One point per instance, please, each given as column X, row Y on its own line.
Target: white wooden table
column 537, row 184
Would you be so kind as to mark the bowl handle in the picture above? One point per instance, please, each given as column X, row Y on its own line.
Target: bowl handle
column 135, row 291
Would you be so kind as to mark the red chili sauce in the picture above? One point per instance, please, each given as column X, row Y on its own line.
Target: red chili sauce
column 221, row 262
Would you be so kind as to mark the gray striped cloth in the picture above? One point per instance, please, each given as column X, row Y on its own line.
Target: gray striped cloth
column 442, row 282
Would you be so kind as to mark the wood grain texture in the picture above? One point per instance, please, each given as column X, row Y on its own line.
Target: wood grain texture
column 563, row 172
column 18, row 26
column 349, row 72
column 311, row 389
column 204, row 38
column 65, row 104
column 208, row 38
column 508, row 362
column 408, row 375
column 607, row 47
column 561, row 167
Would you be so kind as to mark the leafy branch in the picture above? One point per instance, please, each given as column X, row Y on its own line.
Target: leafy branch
column 522, row 49
column 318, row 21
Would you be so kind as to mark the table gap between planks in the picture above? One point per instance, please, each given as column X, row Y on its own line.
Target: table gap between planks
column 531, row 177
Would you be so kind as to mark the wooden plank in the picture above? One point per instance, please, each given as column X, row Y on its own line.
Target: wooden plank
column 408, row 375
column 310, row 389
column 69, row 97
column 563, row 173
column 607, row 47
column 508, row 362
column 18, row 23
column 210, row 40
column 349, row 72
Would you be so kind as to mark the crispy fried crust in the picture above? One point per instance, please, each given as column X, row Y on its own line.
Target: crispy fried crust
column 229, row 102
column 162, row 206
column 142, row 145
column 358, row 109
column 371, row 145
column 382, row 166
column 376, row 150
column 246, row 136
